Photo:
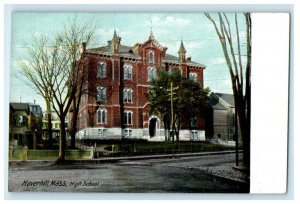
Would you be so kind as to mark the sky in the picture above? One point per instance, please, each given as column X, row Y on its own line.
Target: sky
column 194, row 29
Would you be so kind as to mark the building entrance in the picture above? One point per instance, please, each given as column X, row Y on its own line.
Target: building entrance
column 152, row 127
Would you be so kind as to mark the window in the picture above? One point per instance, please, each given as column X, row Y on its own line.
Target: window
column 101, row 70
column 101, row 116
column 101, row 132
column 193, row 76
column 128, row 117
column 101, row 94
column 127, row 95
column 151, row 73
column 84, row 133
column 194, row 121
column 194, row 135
column 127, row 133
column 127, row 71
column 151, row 57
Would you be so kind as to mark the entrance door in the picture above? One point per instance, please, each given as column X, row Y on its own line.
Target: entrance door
column 152, row 127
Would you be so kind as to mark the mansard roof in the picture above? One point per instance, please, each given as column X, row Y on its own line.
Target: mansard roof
column 123, row 50
column 20, row 106
column 127, row 51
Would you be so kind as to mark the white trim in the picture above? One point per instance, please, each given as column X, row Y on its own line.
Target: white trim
column 105, row 70
column 101, row 110
column 126, row 112
column 143, row 85
column 127, row 91
column 151, row 68
column 153, row 61
column 128, row 67
column 157, row 124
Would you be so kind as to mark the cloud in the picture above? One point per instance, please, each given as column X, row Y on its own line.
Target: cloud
column 193, row 45
column 218, row 61
column 168, row 21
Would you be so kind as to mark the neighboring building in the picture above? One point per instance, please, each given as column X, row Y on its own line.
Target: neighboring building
column 116, row 105
column 25, row 124
column 55, row 127
column 223, row 115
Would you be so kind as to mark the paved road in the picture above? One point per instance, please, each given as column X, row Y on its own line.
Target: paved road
column 155, row 175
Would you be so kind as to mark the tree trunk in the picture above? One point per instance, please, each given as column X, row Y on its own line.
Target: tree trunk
column 73, row 128
column 62, row 141
column 49, row 117
column 245, row 134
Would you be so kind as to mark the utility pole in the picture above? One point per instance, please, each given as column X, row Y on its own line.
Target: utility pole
column 172, row 114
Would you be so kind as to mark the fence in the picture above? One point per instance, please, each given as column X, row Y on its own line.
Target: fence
column 23, row 153
column 161, row 148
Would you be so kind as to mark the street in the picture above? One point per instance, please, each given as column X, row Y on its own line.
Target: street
column 187, row 174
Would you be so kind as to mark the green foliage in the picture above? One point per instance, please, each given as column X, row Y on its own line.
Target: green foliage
column 189, row 98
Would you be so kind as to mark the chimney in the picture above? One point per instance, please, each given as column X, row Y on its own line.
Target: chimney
column 34, row 101
column 83, row 47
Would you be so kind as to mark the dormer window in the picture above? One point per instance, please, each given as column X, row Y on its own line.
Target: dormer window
column 151, row 57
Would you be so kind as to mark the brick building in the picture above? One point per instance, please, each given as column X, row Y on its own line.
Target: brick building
column 116, row 104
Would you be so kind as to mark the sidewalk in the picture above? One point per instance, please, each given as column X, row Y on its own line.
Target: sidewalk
column 116, row 159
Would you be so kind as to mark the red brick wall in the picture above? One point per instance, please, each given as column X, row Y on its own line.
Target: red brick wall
column 114, row 81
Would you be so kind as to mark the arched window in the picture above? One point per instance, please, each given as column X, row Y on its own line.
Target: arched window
column 151, row 73
column 127, row 71
column 101, row 93
column 127, row 95
column 127, row 117
column 193, row 76
column 101, row 116
column 151, row 57
column 101, row 70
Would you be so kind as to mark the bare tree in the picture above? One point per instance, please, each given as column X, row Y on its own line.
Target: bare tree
column 76, row 36
column 39, row 60
column 70, row 77
column 57, row 73
column 240, row 73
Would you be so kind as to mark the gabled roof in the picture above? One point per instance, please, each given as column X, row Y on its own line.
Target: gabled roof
column 228, row 98
column 221, row 101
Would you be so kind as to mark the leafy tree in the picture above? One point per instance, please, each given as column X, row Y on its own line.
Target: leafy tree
column 230, row 40
column 176, row 99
